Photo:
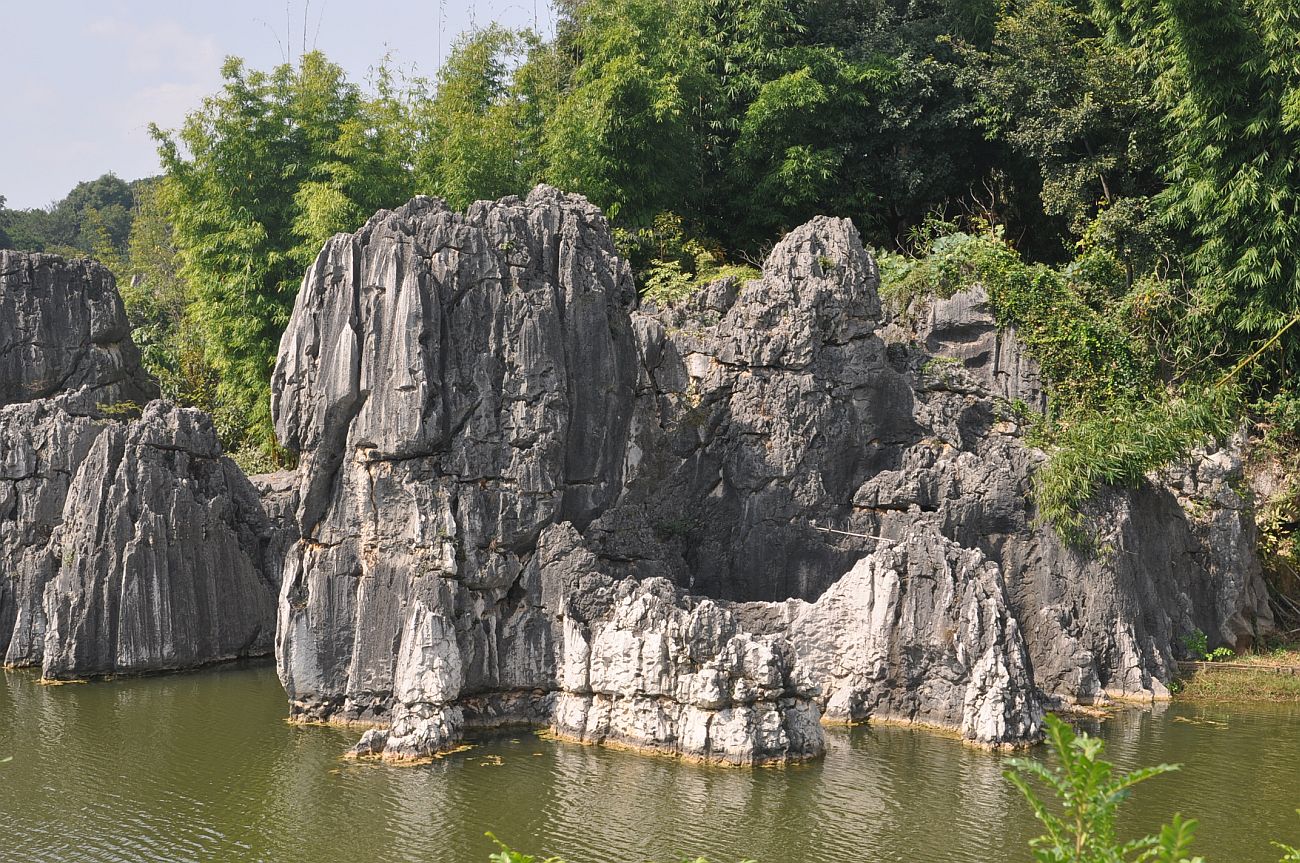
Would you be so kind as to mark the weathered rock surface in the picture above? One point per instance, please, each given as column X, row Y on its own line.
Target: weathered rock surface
column 644, row 665
column 696, row 529
column 962, row 327
column 278, row 493
column 1174, row 555
column 924, row 611
column 125, row 545
column 160, row 554
column 42, row 446
column 455, row 383
column 63, row 331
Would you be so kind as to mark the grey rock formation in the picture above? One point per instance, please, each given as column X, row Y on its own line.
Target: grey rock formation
column 278, row 493
column 63, row 331
column 920, row 609
column 41, row 447
column 963, row 328
column 644, row 665
column 696, row 529
column 454, row 383
column 125, row 545
column 159, row 554
column 1174, row 555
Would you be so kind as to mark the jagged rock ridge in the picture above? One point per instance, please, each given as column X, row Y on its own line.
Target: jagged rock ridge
column 159, row 552
column 697, row 529
column 126, row 545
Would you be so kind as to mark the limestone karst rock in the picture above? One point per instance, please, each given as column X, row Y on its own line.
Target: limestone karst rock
column 159, row 554
column 41, row 447
column 64, row 333
column 278, row 493
column 696, row 529
column 643, row 664
column 921, row 608
column 963, row 327
column 454, row 383
column 126, row 545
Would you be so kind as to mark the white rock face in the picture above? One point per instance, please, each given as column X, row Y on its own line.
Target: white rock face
column 920, row 609
column 678, row 674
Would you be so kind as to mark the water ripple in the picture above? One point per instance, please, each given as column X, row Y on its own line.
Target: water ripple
column 203, row 768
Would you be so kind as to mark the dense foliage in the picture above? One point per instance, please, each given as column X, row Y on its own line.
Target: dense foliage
column 255, row 182
column 94, row 216
column 1122, row 177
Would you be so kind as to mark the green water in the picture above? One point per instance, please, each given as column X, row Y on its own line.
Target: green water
column 203, row 767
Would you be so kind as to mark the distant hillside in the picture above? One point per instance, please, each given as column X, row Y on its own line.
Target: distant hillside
column 92, row 218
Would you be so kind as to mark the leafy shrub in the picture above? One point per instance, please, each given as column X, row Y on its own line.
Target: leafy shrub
column 1088, row 359
column 119, row 410
column 1089, row 795
column 508, row 855
column 670, row 264
column 1289, row 854
column 1111, row 420
column 1197, row 643
column 1120, row 444
column 1198, row 647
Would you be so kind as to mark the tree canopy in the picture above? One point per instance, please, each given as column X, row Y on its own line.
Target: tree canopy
column 95, row 214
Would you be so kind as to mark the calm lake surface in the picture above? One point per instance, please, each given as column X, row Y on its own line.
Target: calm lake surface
column 203, row 767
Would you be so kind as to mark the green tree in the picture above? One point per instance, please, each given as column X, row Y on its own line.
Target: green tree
column 620, row 133
column 95, row 214
column 28, row 229
column 1077, row 106
column 256, row 180
column 5, row 219
column 368, row 166
column 158, row 304
column 1229, row 74
column 480, row 130
column 95, row 211
column 802, row 127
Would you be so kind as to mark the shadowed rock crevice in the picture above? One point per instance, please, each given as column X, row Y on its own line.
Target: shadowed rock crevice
column 700, row 529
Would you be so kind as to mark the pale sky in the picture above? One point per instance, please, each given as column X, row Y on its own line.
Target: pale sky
column 83, row 80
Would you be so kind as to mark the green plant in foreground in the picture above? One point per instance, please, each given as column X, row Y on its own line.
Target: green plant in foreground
column 1086, row 793
column 1089, row 796
column 506, row 855
column 1289, row 853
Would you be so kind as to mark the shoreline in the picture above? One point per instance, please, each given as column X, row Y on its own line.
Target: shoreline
column 1251, row 679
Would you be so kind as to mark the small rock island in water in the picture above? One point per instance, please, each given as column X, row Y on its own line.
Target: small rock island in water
column 706, row 528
